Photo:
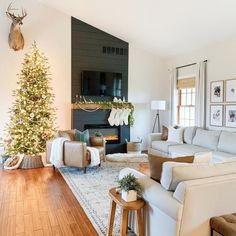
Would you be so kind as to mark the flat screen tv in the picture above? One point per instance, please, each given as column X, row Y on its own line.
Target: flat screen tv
column 97, row 83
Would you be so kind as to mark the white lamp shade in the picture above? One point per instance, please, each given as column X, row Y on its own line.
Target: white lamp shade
column 158, row 105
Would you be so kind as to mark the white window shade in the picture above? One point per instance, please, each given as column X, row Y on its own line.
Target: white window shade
column 187, row 72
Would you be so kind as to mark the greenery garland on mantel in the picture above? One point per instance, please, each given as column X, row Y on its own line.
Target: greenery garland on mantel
column 106, row 105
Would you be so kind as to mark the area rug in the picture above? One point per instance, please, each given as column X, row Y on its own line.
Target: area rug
column 127, row 157
column 91, row 190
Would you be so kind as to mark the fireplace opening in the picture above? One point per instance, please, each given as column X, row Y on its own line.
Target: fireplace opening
column 111, row 134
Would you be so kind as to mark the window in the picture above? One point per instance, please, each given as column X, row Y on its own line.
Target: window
column 186, row 102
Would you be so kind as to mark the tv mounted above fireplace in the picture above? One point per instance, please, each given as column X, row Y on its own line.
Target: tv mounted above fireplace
column 97, row 83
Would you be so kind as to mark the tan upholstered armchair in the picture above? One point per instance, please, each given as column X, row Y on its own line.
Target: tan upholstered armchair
column 75, row 152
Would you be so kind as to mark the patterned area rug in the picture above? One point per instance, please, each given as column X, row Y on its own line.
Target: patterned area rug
column 91, row 190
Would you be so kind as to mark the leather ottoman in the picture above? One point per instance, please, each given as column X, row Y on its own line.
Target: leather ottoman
column 224, row 225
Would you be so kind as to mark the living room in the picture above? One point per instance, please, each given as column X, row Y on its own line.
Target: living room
column 155, row 49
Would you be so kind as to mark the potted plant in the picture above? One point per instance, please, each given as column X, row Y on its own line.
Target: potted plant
column 129, row 187
column 96, row 139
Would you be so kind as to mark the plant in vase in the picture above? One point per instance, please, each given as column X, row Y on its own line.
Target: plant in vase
column 98, row 134
column 129, row 187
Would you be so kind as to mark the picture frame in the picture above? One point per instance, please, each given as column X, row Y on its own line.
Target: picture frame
column 230, row 90
column 216, row 115
column 230, row 116
column 217, row 91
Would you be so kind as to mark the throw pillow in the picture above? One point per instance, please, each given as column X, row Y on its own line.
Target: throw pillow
column 156, row 162
column 164, row 135
column 82, row 136
column 68, row 134
column 175, row 135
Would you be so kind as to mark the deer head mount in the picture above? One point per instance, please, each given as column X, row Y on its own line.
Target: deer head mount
column 15, row 38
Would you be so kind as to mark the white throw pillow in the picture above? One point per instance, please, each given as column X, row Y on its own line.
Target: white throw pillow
column 175, row 135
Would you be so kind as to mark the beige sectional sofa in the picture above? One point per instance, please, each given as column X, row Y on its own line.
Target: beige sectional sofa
column 222, row 144
column 187, row 197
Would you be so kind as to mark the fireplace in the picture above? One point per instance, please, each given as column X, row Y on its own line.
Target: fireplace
column 98, row 121
column 110, row 133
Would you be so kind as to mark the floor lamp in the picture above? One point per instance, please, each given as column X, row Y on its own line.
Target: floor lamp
column 157, row 105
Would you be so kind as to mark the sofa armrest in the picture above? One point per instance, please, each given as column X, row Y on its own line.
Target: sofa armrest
column 154, row 194
column 153, row 137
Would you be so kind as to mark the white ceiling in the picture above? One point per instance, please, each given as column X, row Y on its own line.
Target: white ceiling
column 166, row 27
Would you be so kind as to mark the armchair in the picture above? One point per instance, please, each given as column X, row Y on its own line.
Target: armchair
column 75, row 153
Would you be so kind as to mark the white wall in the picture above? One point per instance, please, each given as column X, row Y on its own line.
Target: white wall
column 221, row 65
column 51, row 30
column 147, row 81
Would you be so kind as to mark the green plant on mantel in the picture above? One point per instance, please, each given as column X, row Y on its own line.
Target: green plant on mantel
column 111, row 104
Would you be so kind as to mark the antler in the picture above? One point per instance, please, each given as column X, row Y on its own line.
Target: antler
column 12, row 15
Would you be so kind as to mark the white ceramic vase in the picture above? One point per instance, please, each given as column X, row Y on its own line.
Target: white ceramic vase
column 129, row 196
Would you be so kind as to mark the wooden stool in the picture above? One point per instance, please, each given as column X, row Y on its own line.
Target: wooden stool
column 125, row 208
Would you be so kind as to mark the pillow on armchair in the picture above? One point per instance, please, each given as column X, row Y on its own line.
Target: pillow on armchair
column 82, row 136
column 69, row 134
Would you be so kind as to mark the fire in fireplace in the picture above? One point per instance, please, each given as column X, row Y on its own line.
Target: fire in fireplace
column 111, row 134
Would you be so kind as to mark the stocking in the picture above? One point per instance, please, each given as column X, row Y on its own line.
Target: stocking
column 122, row 116
column 126, row 116
column 117, row 117
column 111, row 118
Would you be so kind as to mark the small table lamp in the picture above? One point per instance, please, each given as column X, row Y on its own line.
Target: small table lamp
column 158, row 105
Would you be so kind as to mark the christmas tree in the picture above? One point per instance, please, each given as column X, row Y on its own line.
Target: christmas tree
column 31, row 116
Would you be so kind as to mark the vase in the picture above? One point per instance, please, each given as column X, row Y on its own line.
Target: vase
column 30, row 162
column 129, row 196
column 96, row 141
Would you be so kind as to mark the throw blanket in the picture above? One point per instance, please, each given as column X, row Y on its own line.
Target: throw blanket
column 56, row 157
column 95, row 157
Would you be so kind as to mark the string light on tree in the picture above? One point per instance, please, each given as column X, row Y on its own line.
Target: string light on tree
column 32, row 115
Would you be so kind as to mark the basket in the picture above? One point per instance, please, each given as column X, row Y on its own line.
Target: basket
column 31, row 162
column 134, row 147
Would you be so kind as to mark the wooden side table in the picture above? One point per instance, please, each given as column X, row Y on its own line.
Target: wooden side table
column 125, row 208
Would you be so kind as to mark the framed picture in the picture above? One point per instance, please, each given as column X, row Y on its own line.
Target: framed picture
column 217, row 91
column 230, row 91
column 230, row 116
column 216, row 118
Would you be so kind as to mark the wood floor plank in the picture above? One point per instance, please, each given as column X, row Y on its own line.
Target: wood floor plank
column 38, row 202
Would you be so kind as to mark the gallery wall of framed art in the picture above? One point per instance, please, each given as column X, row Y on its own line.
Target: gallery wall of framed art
column 223, row 103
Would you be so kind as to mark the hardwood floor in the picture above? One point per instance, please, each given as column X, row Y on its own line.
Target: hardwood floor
column 38, row 202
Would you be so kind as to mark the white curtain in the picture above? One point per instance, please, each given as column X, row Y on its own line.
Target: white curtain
column 200, row 106
column 173, row 99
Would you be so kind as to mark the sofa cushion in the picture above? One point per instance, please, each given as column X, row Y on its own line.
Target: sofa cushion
column 189, row 133
column 175, row 135
column 222, row 157
column 173, row 173
column 187, row 149
column 156, row 162
column 227, row 142
column 163, row 145
column 206, row 138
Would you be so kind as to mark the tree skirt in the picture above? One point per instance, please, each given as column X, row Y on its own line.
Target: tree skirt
column 127, row 157
column 91, row 190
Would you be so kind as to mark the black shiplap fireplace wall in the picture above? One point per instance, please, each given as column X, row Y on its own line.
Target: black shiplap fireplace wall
column 95, row 50
column 81, row 118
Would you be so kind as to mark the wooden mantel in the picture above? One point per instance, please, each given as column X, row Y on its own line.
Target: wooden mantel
column 96, row 106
